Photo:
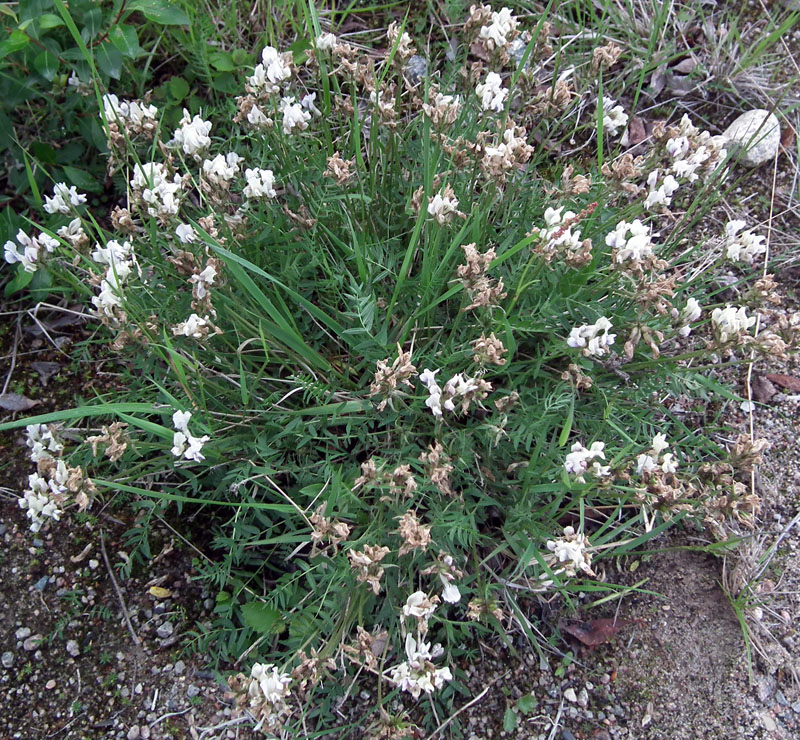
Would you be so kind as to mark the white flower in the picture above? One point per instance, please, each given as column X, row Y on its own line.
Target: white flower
column 326, row 42
column 593, row 338
column 577, row 461
column 744, row 247
column 450, row 592
column 419, row 606
column 195, row 326
column 192, row 136
column 614, row 117
column 28, row 257
column 635, row 247
column 691, row 312
column 257, row 117
column 571, row 551
column 442, row 208
column 73, row 233
column 294, row 116
column 645, row 464
column 63, row 198
column 185, row 233
column 42, row 442
column 133, row 113
column 492, row 93
column 260, row 184
column 308, row 103
column 502, row 27
column 660, row 443
column 184, row 444
column 418, row 673
column 434, row 400
column 669, row 464
column 271, row 73
column 273, row 684
column 730, row 321
column 662, row 195
column 203, row 280
column 221, row 170
column 160, row 194
column 38, row 502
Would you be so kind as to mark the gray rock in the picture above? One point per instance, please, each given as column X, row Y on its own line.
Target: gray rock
column 133, row 733
column 38, row 543
column 41, row 584
column 416, row 69
column 165, row 629
column 33, row 642
column 3, row 529
column 179, row 668
column 7, row 659
column 22, row 633
column 583, row 698
column 192, row 690
column 73, row 648
column 570, row 695
column 795, row 706
column 754, row 137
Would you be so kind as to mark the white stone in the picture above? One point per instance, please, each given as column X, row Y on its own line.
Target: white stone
column 570, row 695
column 753, row 141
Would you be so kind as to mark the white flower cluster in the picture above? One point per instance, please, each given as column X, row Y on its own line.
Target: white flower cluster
column 614, row 117
column 648, row 462
column 128, row 112
column 492, row 93
column 420, row 607
column 202, row 281
column 691, row 313
column 267, row 694
column 195, row 326
column 442, row 208
column 636, row 247
column 271, row 72
column 571, row 553
column 39, row 498
column 693, row 150
column 418, row 673
column 157, row 191
column 326, row 42
column 294, row 115
column 442, row 399
column 192, row 136
column 744, row 246
column 730, row 322
column 260, row 184
column 64, row 199
column 558, row 234
column 185, row 233
column 29, row 255
column 119, row 260
column 499, row 33
column 43, row 442
column 661, row 195
column 184, row 444
column 577, row 461
column 73, row 233
column 594, row 339
column 222, row 169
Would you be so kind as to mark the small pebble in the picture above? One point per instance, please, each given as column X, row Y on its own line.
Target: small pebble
column 795, row 705
column 73, row 648
column 179, row 668
column 583, row 698
column 7, row 659
column 51, row 684
column 32, row 642
column 38, row 543
column 41, row 583
column 570, row 695
column 133, row 733
column 165, row 629
column 192, row 690
column 3, row 529
column 22, row 633
column 94, row 564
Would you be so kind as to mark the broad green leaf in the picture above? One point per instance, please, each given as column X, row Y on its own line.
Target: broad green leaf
column 43, row 152
column 509, row 720
column 50, row 20
column 126, row 41
column 46, row 64
column 225, row 82
column 17, row 40
column 260, row 617
column 109, row 60
column 178, row 88
column 160, row 11
column 221, row 61
column 21, row 280
column 82, row 179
